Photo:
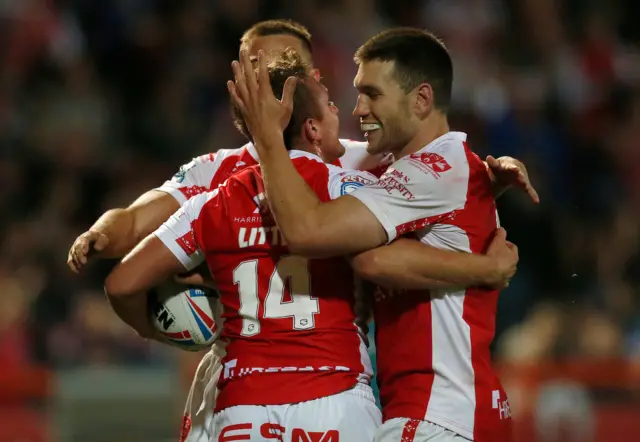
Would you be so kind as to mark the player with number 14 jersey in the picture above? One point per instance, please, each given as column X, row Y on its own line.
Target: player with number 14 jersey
column 289, row 321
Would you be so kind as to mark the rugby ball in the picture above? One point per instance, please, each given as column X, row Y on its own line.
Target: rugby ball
column 187, row 316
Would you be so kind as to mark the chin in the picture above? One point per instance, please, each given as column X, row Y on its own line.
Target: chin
column 374, row 148
column 338, row 151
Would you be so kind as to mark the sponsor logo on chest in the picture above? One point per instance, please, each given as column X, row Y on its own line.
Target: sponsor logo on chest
column 260, row 236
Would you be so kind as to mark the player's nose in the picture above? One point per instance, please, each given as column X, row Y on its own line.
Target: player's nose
column 361, row 109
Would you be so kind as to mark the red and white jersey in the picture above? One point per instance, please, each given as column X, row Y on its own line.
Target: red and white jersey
column 433, row 348
column 206, row 172
column 288, row 321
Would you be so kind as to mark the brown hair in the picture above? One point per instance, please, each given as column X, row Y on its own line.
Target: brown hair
column 279, row 27
column 418, row 56
column 289, row 64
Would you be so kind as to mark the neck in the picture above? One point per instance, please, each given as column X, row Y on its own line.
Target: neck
column 313, row 149
column 306, row 147
column 328, row 158
column 433, row 127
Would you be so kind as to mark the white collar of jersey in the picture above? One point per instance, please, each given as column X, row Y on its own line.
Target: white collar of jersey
column 252, row 151
column 292, row 153
column 449, row 136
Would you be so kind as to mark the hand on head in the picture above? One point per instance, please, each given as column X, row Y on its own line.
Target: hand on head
column 264, row 114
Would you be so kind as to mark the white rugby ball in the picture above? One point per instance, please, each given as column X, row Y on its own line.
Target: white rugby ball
column 187, row 316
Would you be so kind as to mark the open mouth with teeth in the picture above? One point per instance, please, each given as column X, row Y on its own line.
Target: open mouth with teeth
column 369, row 127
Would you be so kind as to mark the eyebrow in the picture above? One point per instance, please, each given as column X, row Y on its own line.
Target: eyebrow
column 368, row 89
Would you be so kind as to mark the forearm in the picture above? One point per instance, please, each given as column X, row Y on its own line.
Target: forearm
column 133, row 310
column 125, row 228
column 118, row 226
column 394, row 274
column 312, row 228
column 409, row 264
column 147, row 265
column 291, row 200
column 126, row 289
column 393, row 279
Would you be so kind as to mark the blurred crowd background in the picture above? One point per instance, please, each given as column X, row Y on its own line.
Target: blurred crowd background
column 102, row 100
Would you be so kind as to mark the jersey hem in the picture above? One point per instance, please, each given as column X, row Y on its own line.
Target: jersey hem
column 435, row 419
column 351, row 388
column 465, row 432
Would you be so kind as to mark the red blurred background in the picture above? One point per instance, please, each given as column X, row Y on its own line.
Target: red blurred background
column 101, row 100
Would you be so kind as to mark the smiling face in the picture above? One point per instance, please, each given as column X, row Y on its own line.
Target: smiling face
column 384, row 108
column 404, row 82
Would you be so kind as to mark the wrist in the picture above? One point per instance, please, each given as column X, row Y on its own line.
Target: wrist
column 110, row 219
column 493, row 274
column 492, row 176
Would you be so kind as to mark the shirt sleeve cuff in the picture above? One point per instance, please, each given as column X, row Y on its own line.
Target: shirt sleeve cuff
column 164, row 234
column 174, row 192
column 378, row 211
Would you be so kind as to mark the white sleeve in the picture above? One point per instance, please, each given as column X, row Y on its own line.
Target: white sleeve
column 417, row 191
column 343, row 182
column 178, row 232
column 192, row 179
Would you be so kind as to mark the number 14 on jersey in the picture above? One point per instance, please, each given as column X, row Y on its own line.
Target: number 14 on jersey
column 292, row 272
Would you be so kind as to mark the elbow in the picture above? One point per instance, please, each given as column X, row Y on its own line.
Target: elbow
column 298, row 243
column 368, row 265
column 115, row 286
column 309, row 247
column 302, row 241
column 302, row 247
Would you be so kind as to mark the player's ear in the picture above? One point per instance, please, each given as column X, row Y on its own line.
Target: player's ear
column 311, row 130
column 423, row 102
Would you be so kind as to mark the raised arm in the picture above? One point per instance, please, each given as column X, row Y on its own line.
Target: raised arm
column 309, row 227
column 406, row 198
